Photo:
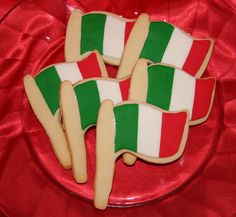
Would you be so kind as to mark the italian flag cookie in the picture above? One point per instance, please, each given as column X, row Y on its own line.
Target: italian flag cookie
column 102, row 31
column 137, row 128
column 171, row 89
column 168, row 44
column 43, row 94
column 79, row 106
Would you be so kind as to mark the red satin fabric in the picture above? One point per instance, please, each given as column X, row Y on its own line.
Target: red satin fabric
column 32, row 36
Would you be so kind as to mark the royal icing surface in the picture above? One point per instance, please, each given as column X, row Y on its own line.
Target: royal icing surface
column 172, row 89
column 90, row 95
column 114, row 29
column 168, row 44
column 69, row 71
column 150, row 132
column 104, row 33
column 49, row 80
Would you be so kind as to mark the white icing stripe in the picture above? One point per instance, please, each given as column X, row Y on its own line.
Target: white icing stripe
column 69, row 71
column 177, row 49
column 183, row 91
column 149, row 131
column 114, row 35
column 109, row 90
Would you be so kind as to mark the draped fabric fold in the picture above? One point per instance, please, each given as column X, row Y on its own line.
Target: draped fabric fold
column 32, row 35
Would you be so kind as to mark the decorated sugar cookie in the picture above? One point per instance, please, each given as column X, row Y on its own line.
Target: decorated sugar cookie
column 102, row 31
column 168, row 44
column 43, row 95
column 79, row 106
column 171, row 89
column 140, row 129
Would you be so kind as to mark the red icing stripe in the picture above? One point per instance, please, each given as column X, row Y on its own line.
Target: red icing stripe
column 124, row 87
column 171, row 133
column 128, row 28
column 89, row 67
column 202, row 98
column 196, row 56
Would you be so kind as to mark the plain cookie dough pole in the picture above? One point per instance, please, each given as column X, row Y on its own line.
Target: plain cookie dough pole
column 134, row 46
column 73, row 37
column 105, row 155
column 74, row 131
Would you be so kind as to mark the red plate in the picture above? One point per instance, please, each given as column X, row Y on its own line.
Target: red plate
column 132, row 185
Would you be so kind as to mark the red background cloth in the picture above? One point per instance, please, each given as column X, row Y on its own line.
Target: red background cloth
column 29, row 28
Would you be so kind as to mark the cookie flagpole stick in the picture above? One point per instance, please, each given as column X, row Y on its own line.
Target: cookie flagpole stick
column 74, row 132
column 105, row 155
column 73, row 37
column 134, row 46
column 154, row 136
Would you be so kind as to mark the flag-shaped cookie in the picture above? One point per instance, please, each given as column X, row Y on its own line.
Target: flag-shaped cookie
column 102, row 31
column 43, row 95
column 168, row 44
column 84, row 99
column 171, row 89
column 138, row 128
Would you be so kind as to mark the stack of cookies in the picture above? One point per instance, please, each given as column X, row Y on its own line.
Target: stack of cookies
column 144, row 113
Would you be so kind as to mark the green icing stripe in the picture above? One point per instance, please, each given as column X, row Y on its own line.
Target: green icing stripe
column 89, row 102
column 160, row 81
column 49, row 83
column 92, row 32
column 126, row 117
column 157, row 41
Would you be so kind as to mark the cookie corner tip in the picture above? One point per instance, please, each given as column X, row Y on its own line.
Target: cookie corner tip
column 144, row 16
column 108, row 102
